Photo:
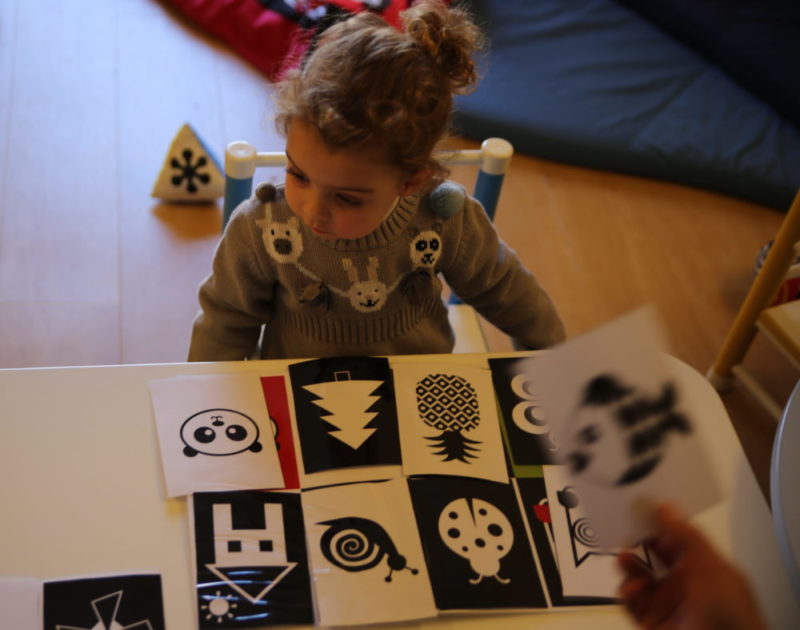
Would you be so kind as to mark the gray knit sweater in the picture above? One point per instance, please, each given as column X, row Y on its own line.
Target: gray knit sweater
column 376, row 295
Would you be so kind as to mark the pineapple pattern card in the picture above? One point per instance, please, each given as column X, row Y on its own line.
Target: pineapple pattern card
column 250, row 554
column 127, row 602
column 478, row 550
column 346, row 419
column 526, row 430
column 449, row 421
column 280, row 417
column 367, row 560
column 537, row 511
column 587, row 568
column 215, row 434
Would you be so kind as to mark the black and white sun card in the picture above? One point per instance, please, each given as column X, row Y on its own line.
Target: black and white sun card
column 366, row 555
column 450, row 424
column 478, row 550
column 625, row 426
column 346, row 419
column 215, row 434
column 526, row 430
column 126, row 602
column 252, row 565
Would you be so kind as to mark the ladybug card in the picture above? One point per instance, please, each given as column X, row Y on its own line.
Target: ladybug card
column 449, row 423
column 625, row 421
column 346, row 420
column 215, row 433
column 478, row 549
column 367, row 560
column 526, row 430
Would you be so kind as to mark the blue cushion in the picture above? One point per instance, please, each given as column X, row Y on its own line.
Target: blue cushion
column 592, row 83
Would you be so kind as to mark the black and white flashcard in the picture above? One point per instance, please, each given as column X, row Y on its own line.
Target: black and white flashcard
column 625, row 428
column 215, row 434
column 367, row 560
column 478, row 550
column 346, row 419
column 450, row 424
column 250, row 554
column 587, row 568
column 536, row 508
column 529, row 440
column 20, row 603
column 125, row 602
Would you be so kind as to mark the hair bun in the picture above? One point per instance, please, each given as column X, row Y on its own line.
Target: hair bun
column 449, row 36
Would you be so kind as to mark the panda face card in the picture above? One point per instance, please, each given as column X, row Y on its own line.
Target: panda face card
column 215, row 434
column 478, row 550
column 367, row 559
column 449, row 421
column 625, row 427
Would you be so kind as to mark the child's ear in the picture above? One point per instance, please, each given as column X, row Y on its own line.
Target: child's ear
column 415, row 182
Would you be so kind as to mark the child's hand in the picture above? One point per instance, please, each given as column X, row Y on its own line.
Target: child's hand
column 699, row 591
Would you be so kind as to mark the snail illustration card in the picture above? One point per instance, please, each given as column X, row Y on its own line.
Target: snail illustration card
column 280, row 417
column 478, row 550
column 20, row 603
column 215, row 434
column 449, row 421
column 127, row 602
column 625, row 426
column 587, row 568
column 346, row 419
column 527, row 433
column 252, row 565
column 537, row 511
column 366, row 557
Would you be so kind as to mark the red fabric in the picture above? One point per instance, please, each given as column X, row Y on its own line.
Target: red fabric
column 263, row 36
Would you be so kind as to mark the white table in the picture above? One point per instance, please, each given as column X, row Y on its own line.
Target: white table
column 82, row 490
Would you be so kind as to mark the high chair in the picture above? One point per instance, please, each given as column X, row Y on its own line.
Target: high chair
column 780, row 323
column 493, row 159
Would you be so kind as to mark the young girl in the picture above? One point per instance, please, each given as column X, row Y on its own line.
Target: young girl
column 344, row 258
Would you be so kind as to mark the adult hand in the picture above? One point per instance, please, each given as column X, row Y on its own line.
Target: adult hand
column 699, row 591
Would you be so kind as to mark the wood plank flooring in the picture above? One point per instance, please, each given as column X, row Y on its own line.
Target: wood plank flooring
column 95, row 271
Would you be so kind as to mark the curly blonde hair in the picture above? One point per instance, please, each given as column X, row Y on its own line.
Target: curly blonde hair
column 369, row 83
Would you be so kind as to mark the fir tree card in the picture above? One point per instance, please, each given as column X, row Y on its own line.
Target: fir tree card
column 280, row 417
column 449, row 421
column 126, row 602
column 250, row 554
column 587, row 568
column 215, row 434
column 478, row 550
column 527, row 432
column 346, row 420
column 20, row 603
column 625, row 427
column 368, row 564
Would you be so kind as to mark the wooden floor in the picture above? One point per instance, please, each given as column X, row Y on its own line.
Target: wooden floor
column 94, row 271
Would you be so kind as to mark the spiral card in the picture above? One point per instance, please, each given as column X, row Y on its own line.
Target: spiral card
column 537, row 510
column 215, row 434
column 625, row 427
column 346, row 419
column 587, row 568
column 450, row 424
column 129, row 602
column 527, row 432
column 281, row 420
column 252, row 565
column 367, row 560
column 478, row 550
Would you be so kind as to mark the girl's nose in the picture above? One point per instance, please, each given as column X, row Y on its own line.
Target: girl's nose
column 318, row 213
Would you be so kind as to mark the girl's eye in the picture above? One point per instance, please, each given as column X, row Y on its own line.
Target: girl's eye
column 298, row 176
column 348, row 201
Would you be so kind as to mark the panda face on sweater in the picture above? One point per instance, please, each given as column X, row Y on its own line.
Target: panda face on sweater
column 426, row 249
